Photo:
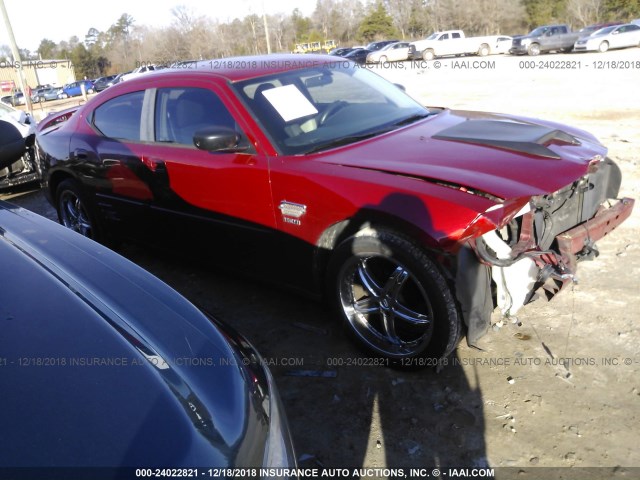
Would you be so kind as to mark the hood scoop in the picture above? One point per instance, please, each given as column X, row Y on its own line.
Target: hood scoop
column 518, row 137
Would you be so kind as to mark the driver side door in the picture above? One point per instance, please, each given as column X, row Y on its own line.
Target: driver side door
column 200, row 194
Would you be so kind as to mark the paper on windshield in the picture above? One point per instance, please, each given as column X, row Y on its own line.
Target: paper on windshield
column 289, row 102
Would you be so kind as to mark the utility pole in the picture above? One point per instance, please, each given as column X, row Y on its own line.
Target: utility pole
column 266, row 28
column 16, row 58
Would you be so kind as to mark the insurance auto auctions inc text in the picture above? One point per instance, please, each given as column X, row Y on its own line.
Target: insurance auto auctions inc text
column 377, row 472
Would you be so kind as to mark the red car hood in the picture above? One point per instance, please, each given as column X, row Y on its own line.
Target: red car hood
column 503, row 155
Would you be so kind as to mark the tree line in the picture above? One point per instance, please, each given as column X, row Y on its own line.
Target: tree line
column 194, row 36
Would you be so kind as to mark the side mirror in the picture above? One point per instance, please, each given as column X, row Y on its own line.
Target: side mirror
column 217, row 139
column 401, row 87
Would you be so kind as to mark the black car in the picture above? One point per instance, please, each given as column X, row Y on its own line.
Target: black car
column 103, row 82
column 373, row 46
column 341, row 52
column 117, row 79
column 110, row 367
column 359, row 55
column 17, row 99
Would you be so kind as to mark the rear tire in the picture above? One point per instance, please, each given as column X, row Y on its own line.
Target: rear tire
column 75, row 211
column 484, row 50
column 393, row 299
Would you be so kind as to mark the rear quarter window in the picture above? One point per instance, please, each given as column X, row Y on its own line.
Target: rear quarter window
column 119, row 117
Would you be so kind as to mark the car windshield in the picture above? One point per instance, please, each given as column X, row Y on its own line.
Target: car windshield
column 604, row 31
column 313, row 109
column 539, row 31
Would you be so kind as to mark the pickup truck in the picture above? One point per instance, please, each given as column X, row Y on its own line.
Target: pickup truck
column 548, row 38
column 452, row 42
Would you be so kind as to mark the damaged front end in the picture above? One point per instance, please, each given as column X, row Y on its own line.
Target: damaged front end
column 536, row 252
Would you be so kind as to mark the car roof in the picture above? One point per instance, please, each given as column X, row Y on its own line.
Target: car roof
column 236, row 69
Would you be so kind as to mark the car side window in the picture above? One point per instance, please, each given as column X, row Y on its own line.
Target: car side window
column 120, row 117
column 181, row 112
column 455, row 35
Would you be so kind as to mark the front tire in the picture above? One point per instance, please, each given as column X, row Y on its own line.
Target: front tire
column 393, row 299
column 603, row 47
column 75, row 212
column 428, row 55
column 534, row 50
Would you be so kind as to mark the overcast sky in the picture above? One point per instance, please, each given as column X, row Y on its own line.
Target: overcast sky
column 34, row 20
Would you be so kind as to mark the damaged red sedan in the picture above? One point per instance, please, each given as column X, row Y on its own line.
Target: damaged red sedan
column 413, row 222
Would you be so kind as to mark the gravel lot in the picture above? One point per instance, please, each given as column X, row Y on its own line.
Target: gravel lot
column 515, row 404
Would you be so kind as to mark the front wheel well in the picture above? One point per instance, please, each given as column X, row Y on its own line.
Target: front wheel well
column 337, row 233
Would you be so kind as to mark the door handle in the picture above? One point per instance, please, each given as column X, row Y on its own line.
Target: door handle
column 153, row 164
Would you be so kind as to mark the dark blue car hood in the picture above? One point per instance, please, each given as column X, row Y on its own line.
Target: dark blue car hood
column 105, row 365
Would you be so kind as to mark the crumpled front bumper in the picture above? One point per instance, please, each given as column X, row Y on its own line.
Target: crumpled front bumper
column 578, row 243
column 575, row 242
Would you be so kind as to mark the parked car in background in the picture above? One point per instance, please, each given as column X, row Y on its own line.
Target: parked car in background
column 586, row 31
column 340, row 52
column 328, row 178
column 117, row 79
column 116, row 369
column 74, row 89
column 379, row 45
column 17, row 160
column 502, row 45
column 452, row 42
column 103, row 82
column 359, row 55
column 393, row 52
column 142, row 70
column 46, row 94
column 17, row 99
column 621, row 36
column 558, row 38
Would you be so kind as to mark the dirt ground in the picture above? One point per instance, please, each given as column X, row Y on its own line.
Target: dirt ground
column 559, row 389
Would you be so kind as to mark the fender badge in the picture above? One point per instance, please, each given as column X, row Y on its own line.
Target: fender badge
column 291, row 212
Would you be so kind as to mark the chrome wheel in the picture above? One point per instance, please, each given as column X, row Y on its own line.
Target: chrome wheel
column 386, row 306
column 73, row 214
column 534, row 49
